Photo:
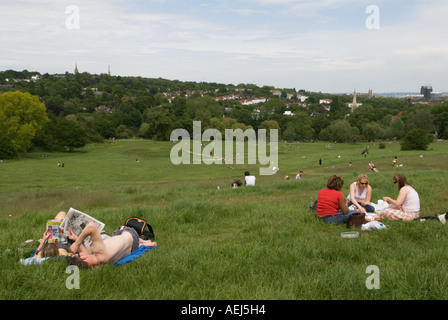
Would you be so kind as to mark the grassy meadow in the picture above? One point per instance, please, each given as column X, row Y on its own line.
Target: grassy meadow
column 261, row 242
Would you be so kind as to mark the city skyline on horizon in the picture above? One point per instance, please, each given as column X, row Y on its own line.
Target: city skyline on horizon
column 333, row 46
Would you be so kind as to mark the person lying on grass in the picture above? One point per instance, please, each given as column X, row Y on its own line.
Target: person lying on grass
column 46, row 249
column 123, row 242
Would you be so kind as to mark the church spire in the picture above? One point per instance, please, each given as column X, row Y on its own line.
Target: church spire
column 354, row 103
column 76, row 67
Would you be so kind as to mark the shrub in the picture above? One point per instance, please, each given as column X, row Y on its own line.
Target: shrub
column 416, row 139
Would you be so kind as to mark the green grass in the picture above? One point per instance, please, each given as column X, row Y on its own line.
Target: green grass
column 247, row 243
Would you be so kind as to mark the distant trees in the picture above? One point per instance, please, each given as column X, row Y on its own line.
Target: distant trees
column 339, row 131
column 97, row 107
column 62, row 134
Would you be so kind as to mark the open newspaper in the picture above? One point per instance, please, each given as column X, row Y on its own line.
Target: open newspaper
column 76, row 221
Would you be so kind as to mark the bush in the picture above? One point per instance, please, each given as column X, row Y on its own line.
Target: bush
column 416, row 139
column 382, row 145
column 7, row 149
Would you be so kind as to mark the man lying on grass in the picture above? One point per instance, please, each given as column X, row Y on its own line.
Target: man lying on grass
column 124, row 241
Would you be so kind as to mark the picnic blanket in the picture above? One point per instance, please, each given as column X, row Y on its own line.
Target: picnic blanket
column 134, row 255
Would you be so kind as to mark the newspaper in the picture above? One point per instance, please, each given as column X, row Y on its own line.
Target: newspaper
column 76, row 221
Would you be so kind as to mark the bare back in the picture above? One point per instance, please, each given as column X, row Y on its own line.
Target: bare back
column 109, row 250
column 114, row 248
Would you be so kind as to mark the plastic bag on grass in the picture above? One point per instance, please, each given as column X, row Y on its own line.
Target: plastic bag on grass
column 373, row 225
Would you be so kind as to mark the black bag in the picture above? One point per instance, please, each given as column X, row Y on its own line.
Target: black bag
column 142, row 227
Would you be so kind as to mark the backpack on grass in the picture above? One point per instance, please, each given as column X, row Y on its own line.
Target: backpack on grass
column 143, row 228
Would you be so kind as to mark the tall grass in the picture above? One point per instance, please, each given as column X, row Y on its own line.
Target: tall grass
column 246, row 243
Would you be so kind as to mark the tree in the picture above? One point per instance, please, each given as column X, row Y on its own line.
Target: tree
column 203, row 109
column 338, row 130
column 62, row 134
column 440, row 113
column 7, row 149
column 372, row 131
column 22, row 116
column 160, row 122
column 421, row 119
column 269, row 125
column 298, row 127
column 337, row 109
column 416, row 139
column 398, row 128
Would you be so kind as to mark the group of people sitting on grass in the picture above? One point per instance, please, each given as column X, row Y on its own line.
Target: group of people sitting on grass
column 249, row 180
column 103, row 250
column 332, row 207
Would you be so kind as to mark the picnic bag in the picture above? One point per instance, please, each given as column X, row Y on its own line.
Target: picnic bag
column 356, row 219
column 142, row 227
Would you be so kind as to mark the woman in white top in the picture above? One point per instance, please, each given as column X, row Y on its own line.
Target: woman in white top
column 360, row 194
column 406, row 206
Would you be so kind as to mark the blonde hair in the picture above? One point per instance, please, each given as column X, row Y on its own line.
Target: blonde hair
column 361, row 177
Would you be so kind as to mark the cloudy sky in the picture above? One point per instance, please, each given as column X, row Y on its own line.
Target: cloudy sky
column 333, row 46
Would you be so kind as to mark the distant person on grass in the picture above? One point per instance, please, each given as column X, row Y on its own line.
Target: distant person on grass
column 123, row 242
column 249, row 180
column 372, row 167
column 407, row 205
column 331, row 205
column 236, row 183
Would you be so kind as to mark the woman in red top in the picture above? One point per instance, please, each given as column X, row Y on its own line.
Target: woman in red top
column 331, row 205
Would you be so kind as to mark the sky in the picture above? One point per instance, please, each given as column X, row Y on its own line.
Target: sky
column 334, row 46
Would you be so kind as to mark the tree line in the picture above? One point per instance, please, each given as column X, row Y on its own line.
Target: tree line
column 67, row 111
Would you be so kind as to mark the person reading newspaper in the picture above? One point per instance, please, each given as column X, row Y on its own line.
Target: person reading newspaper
column 123, row 241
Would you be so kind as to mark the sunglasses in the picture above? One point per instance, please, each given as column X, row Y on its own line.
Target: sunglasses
column 395, row 181
column 364, row 183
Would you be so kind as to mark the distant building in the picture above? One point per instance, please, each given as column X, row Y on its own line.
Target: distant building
column 426, row 91
column 436, row 95
column 277, row 93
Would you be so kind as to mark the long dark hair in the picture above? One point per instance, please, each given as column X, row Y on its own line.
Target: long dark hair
column 401, row 180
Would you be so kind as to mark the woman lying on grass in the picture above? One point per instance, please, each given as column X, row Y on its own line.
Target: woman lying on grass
column 46, row 249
